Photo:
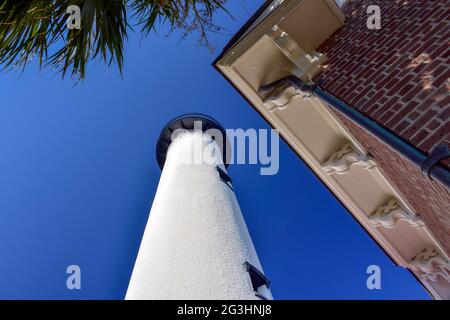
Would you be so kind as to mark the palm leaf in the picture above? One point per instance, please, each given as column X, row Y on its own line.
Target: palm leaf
column 36, row 29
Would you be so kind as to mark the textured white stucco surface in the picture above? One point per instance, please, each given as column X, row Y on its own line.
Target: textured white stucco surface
column 196, row 240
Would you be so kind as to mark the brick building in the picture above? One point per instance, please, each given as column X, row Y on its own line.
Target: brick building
column 393, row 81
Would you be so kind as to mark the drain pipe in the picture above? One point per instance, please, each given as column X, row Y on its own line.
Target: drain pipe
column 429, row 165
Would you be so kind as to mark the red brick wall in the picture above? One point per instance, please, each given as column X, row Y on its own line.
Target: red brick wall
column 398, row 76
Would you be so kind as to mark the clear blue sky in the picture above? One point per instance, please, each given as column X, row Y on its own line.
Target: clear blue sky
column 78, row 175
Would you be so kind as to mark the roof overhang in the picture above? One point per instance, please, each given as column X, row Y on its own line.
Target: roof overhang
column 281, row 39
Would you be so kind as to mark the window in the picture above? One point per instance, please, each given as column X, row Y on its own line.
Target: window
column 224, row 177
column 258, row 279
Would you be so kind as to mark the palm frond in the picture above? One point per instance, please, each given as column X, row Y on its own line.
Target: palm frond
column 36, row 29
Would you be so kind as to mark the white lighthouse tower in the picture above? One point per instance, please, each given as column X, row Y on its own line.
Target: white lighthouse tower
column 196, row 244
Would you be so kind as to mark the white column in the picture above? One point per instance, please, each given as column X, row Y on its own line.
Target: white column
column 196, row 243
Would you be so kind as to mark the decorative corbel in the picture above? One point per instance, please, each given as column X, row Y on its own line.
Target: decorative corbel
column 341, row 161
column 431, row 265
column 308, row 64
column 391, row 213
column 281, row 97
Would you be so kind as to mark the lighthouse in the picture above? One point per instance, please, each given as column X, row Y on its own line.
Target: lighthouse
column 196, row 244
